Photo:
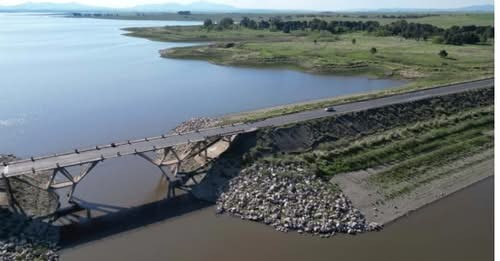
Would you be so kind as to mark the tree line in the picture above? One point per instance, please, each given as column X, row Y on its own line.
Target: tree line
column 455, row 35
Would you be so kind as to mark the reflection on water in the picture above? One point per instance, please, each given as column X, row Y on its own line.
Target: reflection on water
column 459, row 227
column 79, row 82
column 70, row 83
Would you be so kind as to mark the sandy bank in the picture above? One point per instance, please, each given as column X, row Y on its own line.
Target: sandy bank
column 371, row 202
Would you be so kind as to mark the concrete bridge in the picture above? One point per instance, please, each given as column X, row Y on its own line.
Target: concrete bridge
column 169, row 161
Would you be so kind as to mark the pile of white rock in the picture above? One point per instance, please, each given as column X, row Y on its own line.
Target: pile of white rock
column 196, row 124
column 290, row 198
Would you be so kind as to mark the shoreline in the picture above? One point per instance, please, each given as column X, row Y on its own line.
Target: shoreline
column 393, row 210
column 449, row 185
column 278, row 110
column 374, row 189
column 407, row 214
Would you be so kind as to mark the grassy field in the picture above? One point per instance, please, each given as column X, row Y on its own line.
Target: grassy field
column 417, row 62
column 326, row 53
column 441, row 20
column 450, row 20
column 199, row 34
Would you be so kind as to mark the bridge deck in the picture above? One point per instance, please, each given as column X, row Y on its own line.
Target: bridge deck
column 83, row 156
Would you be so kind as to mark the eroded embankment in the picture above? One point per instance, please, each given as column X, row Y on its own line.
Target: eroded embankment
column 22, row 235
column 388, row 161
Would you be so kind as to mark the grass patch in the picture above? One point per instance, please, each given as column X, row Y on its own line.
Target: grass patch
column 438, row 19
column 406, row 143
column 317, row 52
column 201, row 34
column 411, row 155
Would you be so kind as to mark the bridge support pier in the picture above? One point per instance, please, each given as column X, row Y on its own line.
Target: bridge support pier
column 171, row 161
column 11, row 200
column 71, row 181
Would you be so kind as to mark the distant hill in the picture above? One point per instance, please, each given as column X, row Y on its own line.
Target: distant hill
column 44, row 7
column 477, row 8
column 194, row 7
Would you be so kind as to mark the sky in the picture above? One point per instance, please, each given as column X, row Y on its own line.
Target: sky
column 285, row 4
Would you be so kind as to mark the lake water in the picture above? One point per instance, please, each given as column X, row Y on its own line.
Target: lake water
column 457, row 228
column 69, row 83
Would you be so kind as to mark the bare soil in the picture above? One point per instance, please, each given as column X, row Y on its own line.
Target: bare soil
column 371, row 201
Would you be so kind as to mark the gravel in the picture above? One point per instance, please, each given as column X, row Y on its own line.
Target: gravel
column 22, row 236
column 290, row 198
column 196, row 124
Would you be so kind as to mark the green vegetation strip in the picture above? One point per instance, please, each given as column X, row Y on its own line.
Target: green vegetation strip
column 396, row 148
column 436, row 173
column 408, row 156
column 444, row 20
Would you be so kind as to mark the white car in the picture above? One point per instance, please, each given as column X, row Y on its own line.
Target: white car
column 330, row 109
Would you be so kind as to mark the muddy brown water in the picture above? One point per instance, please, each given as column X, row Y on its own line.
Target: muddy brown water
column 459, row 227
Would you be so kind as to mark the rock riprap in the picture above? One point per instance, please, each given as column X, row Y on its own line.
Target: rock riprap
column 23, row 238
column 195, row 124
column 22, row 235
column 291, row 198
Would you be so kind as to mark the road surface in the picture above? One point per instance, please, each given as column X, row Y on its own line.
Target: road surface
column 100, row 153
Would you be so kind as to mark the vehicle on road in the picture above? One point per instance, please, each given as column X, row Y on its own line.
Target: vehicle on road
column 330, row 109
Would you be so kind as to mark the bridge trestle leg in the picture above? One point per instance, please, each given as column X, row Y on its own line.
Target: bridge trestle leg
column 72, row 181
column 169, row 173
column 170, row 167
column 11, row 200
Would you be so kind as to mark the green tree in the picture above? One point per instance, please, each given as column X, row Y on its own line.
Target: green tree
column 286, row 28
column 245, row 22
column 226, row 22
column 353, row 40
column 208, row 23
column 373, row 50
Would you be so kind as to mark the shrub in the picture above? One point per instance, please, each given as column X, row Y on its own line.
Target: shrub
column 226, row 22
column 443, row 53
column 208, row 23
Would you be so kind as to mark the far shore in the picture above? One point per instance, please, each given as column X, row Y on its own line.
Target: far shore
column 356, row 53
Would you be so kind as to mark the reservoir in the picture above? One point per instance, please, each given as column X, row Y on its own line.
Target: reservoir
column 459, row 228
column 70, row 83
